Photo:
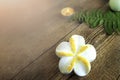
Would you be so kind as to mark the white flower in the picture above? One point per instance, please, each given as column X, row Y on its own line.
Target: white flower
column 75, row 55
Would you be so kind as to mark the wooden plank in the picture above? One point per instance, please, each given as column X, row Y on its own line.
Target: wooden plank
column 24, row 29
column 46, row 66
column 16, row 41
column 105, row 67
column 107, row 64
column 25, row 24
column 34, row 68
column 89, row 35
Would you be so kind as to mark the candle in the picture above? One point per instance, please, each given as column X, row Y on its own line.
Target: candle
column 67, row 11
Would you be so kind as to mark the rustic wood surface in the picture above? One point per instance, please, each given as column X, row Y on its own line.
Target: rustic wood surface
column 30, row 30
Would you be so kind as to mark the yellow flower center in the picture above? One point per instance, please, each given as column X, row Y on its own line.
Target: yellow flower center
column 82, row 49
column 76, row 57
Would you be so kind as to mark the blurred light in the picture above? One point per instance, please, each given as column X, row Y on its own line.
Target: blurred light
column 67, row 11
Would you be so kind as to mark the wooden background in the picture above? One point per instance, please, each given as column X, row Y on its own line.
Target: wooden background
column 30, row 30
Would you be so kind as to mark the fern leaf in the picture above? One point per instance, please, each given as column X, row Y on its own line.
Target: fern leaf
column 110, row 20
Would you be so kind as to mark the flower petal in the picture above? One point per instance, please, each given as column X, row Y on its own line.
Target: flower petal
column 76, row 41
column 82, row 66
column 82, row 49
column 66, row 64
column 89, row 53
column 63, row 49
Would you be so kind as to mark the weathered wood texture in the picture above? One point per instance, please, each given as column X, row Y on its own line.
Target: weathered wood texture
column 30, row 31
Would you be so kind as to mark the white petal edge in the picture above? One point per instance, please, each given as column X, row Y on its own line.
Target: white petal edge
column 89, row 53
column 78, row 40
column 64, row 63
column 64, row 47
column 81, row 69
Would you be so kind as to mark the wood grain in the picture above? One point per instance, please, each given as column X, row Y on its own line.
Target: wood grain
column 30, row 33
column 24, row 75
column 25, row 27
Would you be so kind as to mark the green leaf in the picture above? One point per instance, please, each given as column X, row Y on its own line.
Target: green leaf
column 115, row 26
column 94, row 18
column 118, row 22
column 108, row 27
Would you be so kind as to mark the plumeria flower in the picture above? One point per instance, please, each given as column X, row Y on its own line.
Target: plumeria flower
column 75, row 55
